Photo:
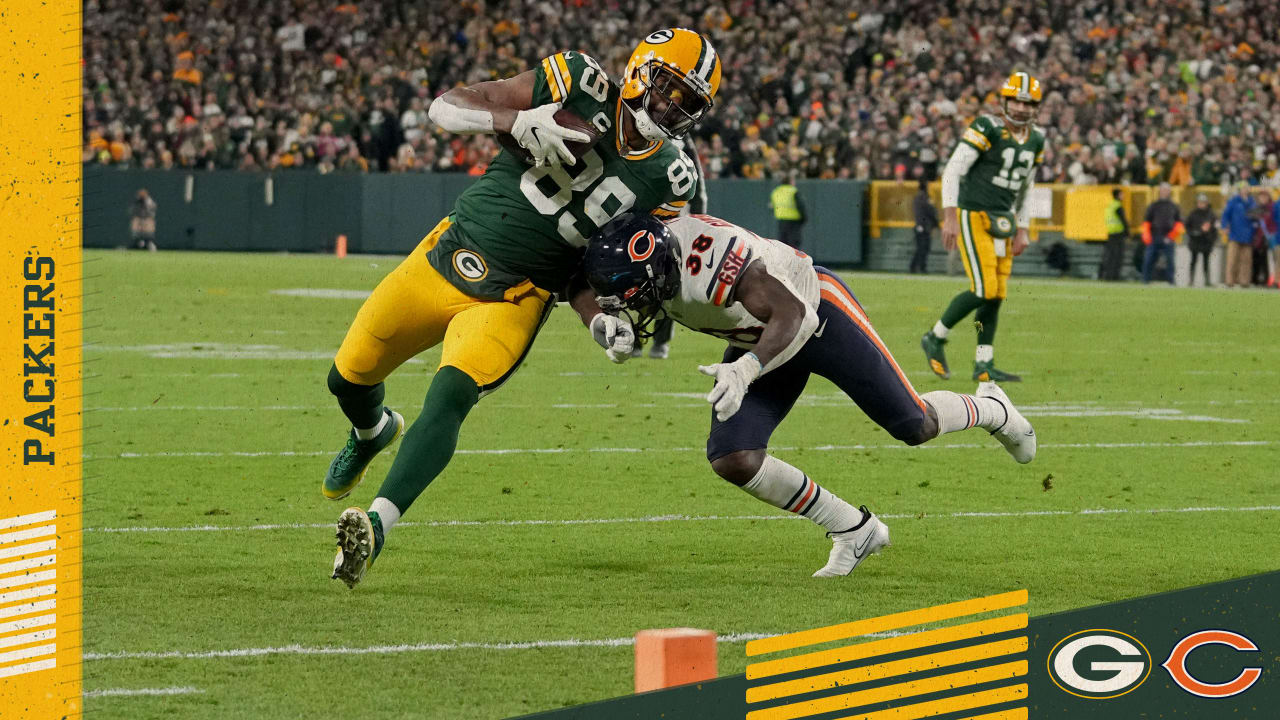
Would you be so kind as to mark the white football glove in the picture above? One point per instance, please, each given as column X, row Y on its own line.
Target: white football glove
column 615, row 335
column 732, row 380
column 538, row 132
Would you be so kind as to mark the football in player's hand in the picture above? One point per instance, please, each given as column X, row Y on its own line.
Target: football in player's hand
column 565, row 118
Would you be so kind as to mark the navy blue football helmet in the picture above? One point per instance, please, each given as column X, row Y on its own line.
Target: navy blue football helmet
column 633, row 265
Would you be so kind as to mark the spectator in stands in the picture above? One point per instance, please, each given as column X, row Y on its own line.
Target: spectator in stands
column 142, row 221
column 788, row 210
column 1238, row 219
column 1202, row 234
column 1161, row 228
column 1117, row 230
column 926, row 222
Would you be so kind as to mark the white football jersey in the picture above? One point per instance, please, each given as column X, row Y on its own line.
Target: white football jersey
column 713, row 254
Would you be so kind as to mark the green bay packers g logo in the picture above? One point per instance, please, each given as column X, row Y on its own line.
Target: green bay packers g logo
column 1003, row 225
column 1099, row 664
column 469, row 265
column 659, row 36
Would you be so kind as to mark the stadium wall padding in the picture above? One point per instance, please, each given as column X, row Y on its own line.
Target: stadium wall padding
column 389, row 214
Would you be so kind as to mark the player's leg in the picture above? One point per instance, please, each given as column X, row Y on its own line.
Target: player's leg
column 662, row 331
column 483, row 346
column 737, row 451
column 988, row 314
column 406, row 314
column 851, row 355
column 979, row 267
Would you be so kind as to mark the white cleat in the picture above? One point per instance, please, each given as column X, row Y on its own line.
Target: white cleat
column 1016, row 435
column 850, row 548
column 659, row 352
column 357, row 544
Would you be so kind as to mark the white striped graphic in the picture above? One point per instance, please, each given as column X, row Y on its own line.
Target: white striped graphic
column 25, row 573
column 974, row 267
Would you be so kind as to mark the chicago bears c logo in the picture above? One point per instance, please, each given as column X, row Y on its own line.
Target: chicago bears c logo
column 1176, row 665
column 641, row 245
column 469, row 265
column 1116, row 664
column 659, row 36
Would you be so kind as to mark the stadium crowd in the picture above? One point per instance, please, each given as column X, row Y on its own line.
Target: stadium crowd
column 1182, row 91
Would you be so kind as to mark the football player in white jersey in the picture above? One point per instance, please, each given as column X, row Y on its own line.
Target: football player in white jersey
column 784, row 319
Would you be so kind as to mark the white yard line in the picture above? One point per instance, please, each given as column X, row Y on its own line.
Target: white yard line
column 690, row 518
column 135, row 692
column 781, row 448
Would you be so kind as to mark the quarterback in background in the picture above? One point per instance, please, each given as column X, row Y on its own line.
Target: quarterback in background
column 483, row 281
column 783, row 319
column 984, row 208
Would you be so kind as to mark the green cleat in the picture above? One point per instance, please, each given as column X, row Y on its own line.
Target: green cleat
column 360, row 540
column 987, row 372
column 349, row 466
column 932, row 345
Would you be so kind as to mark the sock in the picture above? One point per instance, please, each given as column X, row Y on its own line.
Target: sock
column 987, row 316
column 961, row 305
column 960, row 412
column 369, row 433
column 984, row 353
column 387, row 512
column 428, row 444
column 362, row 404
column 940, row 331
column 784, row 486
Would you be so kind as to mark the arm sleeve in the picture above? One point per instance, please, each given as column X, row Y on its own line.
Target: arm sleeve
column 699, row 202
column 961, row 160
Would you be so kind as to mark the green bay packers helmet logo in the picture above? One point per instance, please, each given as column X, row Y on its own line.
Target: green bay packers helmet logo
column 469, row 265
column 658, row 37
column 1003, row 225
column 1099, row 664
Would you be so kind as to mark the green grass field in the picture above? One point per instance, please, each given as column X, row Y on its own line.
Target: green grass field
column 582, row 509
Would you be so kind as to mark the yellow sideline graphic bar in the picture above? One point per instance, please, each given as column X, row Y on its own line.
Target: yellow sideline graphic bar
column 903, row 672
column 926, row 638
column 973, row 653
column 947, row 705
column 40, row 360
column 886, row 623
column 911, row 688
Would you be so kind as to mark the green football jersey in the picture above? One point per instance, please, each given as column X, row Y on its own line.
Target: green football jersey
column 526, row 222
column 1004, row 165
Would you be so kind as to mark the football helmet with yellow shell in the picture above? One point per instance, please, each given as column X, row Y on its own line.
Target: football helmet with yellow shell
column 1024, row 88
column 670, row 82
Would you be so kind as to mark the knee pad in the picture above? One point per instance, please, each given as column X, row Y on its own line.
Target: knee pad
column 738, row 467
column 343, row 388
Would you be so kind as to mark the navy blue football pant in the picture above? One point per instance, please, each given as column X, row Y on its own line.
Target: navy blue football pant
column 845, row 350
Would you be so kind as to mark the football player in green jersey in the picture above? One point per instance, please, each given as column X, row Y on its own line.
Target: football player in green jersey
column 984, row 209
column 483, row 281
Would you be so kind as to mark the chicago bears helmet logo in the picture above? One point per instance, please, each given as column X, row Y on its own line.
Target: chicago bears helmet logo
column 659, row 36
column 641, row 245
column 1176, row 665
column 1099, row 664
column 469, row 265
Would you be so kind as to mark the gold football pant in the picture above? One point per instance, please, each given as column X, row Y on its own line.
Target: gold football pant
column 414, row 308
column 988, row 274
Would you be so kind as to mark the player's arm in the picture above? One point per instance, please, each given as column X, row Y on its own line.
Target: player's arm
column 963, row 158
column 1023, row 211
column 789, row 323
column 506, row 106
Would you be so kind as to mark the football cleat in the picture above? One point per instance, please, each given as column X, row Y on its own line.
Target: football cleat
column 850, row 547
column 932, row 345
column 659, row 352
column 359, row 542
column 986, row 371
column 350, row 464
column 1016, row 434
